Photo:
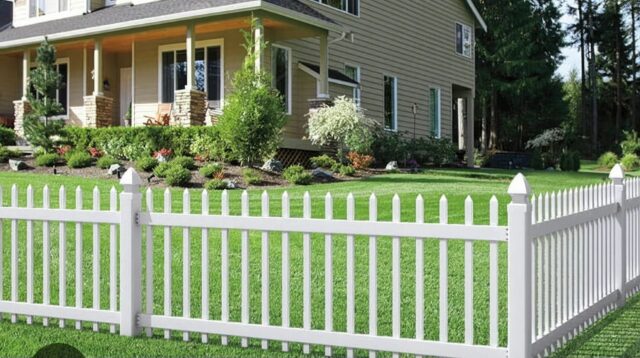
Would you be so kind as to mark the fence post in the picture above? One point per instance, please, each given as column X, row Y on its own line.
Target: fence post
column 519, row 269
column 130, row 254
column 620, row 236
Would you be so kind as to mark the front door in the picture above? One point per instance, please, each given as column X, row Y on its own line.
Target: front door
column 125, row 94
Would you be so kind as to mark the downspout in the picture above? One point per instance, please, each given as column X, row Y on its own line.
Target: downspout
column 87, row 6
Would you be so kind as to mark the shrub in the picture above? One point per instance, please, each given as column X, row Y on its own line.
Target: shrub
column 185, row 162
column 161, row 169
column 536, row 161
column 251, row 177
column 167, row 153
column 630, row 162
column 296, row 174
column 106, row 162
column 323, row 161
column 64, row 150
column 7, row 136
column 95, row 152
column 47, row 160
column 79, row 160
column 212, row 170
column 608, row 160
column 631, row 143
column 360, row 161
column 400, row 147
column 346, row 170
column 570, row 161
column 254, row 116
column 177, row 176
column 6, row 154
column 216, row 184
column 146, row 164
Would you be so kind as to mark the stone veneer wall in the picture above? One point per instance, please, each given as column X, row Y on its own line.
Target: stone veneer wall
column 98, row 111
column 190, row 108
column 20, row 109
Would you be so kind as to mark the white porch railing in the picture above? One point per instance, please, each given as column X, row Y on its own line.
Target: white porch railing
column 572, row 256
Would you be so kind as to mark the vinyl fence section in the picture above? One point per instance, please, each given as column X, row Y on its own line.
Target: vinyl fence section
column 572, row 256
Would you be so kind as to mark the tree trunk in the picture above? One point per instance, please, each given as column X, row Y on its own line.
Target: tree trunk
column 483, row 136
column 594, row 83
column 493, row 136
column 583, row 78
column 634, row 68
column 618, row 67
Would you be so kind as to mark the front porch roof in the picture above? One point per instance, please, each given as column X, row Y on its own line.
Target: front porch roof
column 125, row 17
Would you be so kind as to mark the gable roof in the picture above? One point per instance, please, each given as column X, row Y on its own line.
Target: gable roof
column 477, row 15
column 122, row 17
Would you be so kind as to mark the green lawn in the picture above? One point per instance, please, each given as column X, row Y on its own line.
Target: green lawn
column 23, row 340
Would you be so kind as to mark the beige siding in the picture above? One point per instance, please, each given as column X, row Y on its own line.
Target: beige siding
column 406, row 39
column 11, row 88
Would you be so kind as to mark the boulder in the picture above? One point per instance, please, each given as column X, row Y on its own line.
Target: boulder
column 231, row 184
column 392, row 166
column 114, row 169
column 161, row 158
column 320, row 173
column 273, row 165
column 17, row 165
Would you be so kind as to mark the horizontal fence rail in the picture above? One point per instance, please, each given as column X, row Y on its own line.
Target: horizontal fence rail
column 327, row 285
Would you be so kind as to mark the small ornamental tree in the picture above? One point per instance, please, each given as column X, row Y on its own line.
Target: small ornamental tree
column 44, row 81
column 344, row 125
column 254, row 115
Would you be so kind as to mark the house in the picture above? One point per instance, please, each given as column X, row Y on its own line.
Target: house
column 408, row 63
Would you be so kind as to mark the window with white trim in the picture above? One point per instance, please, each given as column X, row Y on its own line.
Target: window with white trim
column 435, row 112
column 390, row 103
column 349, row 6
column 208, row 72
column 39, row 8
column 281, row 72
column 353, row 72
column 61, row 95
column 464, row 40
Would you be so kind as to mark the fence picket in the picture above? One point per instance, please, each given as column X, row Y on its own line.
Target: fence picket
column 46, row 254
column 306, row 270
column 265, row 269
column 468, row 275
column 79, row 242
column 14, row 252
column 29, row 252
column 351, row 276
column 186, row 263
column 396, row 283
column 224, row 272
column 328, row 273
column 167, row 262
column 444, row 274
column 149, row 261
column 205, row 264
column 419, row 272
column 245, row 268
column 113, row 257
column 286, row 270
column 493, row 276
column 62, row 266
column 96, row 256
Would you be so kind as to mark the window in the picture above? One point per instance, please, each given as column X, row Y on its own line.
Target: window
column 350, row 6
column 208, row 76
column 390, row 103
column 39, row 8
column 61, row 95
column 463, row 40
column 281, row 70
column 353, row 72
column 435, row 112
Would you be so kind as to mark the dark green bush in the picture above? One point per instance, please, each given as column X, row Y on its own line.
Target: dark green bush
column 630, row 162
column 536, row 161
column 161, row 170
column 211, row 170
column 6, row 154
column 47, row 160
column 106, row 161
column 296, row 174
column 608, row 160
column 146, row 164
column 177, row 176
column 79, row 160
column 570, row 161
column 7, row 136
column 251, row 177
column 401, row 147
column 216, row 184
column 323, row 161
column 346, row 170
column 185, row 162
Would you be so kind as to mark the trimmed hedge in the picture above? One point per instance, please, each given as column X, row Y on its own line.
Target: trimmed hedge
column 132, row 143
column 7, row 136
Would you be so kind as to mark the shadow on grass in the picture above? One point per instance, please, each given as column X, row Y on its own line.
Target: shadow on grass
column 616, row 335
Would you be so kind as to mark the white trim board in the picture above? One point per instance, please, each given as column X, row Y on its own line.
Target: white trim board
column 316, row 75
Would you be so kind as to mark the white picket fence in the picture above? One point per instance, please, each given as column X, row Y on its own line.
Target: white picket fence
column 572, row 256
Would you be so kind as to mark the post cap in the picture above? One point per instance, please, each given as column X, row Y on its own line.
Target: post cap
column 519, row 186
column 617, row 172
column 130, row 179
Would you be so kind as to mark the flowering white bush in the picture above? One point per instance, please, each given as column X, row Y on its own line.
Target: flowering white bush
column 343, row 124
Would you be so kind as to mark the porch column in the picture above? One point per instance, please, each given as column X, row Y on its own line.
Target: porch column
column 190, row 104
column 22, row 107
column 26, row 68
column 470, row 130
column 98, row 108
column 258, row 39
column 97, row 68
column 324, row 66
column 461, row 124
